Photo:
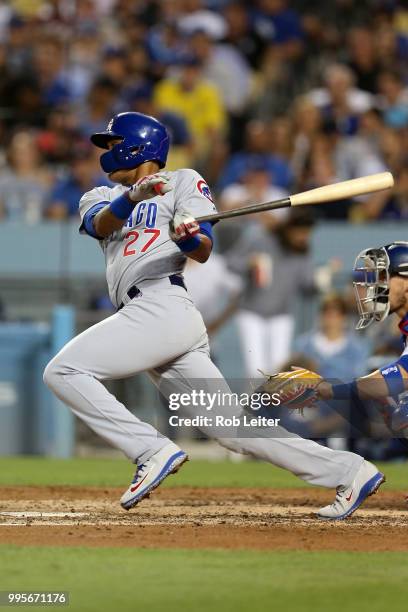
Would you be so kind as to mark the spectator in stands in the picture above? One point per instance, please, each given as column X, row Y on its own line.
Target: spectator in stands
column 198, row 101
column 196, row 17
column 307, row 128
column 360, row 154
column 363, row 58
column 281, row 135
column 384, row 205
column 277, row 23
column 335, row 348
column 274, row 87
column 255, row 187
column 371, row 129
column 276, row 266
column 320, row 169
column 49, row 70
column 22, row 102
column 138, row 67
column 114, row 67
column 55, row 140
column 17, row 46
column 83, row 56
column 165, row 47
column 99, row 107
column 226, row 68
column 257, row 150
column 389, row 52
column 394, row 99
column 84, row 174
column 340, row 102
column 240, row 33
column 140, row 99
column 25, row 180
column 339, row 354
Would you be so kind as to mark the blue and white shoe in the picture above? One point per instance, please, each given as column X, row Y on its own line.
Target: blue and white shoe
column 367, row 481
column 152, row 472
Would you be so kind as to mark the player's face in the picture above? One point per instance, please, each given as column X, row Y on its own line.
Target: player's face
column 398, row 296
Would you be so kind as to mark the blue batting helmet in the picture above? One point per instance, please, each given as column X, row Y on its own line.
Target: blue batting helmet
column 372, row 272
column 143, row 138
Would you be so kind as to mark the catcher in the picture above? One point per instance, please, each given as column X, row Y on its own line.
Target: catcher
column 380, row 279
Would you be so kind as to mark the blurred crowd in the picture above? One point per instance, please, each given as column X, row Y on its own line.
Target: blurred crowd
column 262, row 97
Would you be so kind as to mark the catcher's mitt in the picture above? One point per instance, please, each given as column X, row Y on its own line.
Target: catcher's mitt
column 296, row 389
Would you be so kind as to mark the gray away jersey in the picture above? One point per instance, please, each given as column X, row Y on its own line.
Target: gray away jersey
column 142, row 249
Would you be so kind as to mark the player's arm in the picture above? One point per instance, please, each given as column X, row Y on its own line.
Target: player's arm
column 390, row 381
column 203, row 251
column 192, row 200
column 301, row 387
column 192, row 238
column 108, row 220
column 113, row 215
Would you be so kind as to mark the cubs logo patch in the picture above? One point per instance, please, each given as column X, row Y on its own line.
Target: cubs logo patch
column 204, row 189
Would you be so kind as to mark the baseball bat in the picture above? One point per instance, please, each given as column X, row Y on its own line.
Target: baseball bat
column 321, row 195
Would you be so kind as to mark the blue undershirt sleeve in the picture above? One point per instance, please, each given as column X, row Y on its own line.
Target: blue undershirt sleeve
column 87, row 222
column 206, row 229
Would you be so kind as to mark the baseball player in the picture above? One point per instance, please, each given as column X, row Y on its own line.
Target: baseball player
column 380, row 279
column 147, row 229
column 381, row 288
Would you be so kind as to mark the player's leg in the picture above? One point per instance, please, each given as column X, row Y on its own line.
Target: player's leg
column 135, row 339
column 306, row 459
column 353, row 477
column 252, row 339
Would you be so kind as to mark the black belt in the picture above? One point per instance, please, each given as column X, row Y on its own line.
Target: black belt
column 175, row 279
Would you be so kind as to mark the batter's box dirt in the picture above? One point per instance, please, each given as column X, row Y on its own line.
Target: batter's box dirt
column 198, row 518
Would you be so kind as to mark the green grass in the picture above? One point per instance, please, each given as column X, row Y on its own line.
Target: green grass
column 199, row 581
column 115, row 472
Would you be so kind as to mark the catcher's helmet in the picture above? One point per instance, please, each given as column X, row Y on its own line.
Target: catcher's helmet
column 373, row 269
column 144, row 139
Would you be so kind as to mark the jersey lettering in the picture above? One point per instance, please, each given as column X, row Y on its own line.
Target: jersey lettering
column 140, row 211
column 151, row 215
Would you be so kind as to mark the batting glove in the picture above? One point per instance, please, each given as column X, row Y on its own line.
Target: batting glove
column 183, row 226
column 148, row 187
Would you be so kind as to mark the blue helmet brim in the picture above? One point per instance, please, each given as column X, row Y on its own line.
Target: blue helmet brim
column 102, row 139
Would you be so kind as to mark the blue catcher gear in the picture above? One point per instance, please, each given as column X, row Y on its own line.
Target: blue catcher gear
column 373, row 269
column 143, row 138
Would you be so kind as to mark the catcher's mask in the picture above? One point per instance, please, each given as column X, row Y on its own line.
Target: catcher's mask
column 372, row 271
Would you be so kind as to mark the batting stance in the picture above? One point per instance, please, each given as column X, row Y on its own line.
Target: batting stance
column 157, row 327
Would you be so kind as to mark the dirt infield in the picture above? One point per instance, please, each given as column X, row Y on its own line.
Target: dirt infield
column 186, row 517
